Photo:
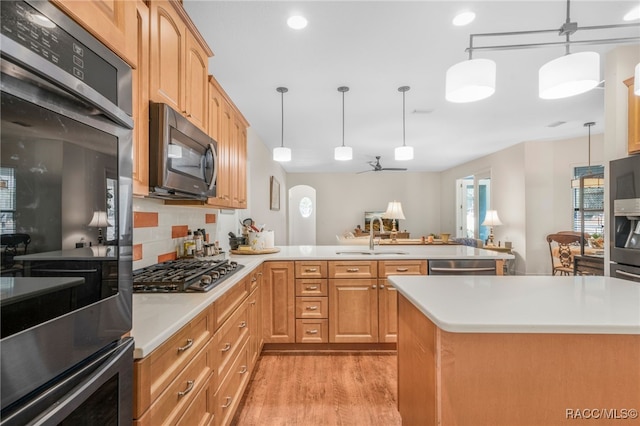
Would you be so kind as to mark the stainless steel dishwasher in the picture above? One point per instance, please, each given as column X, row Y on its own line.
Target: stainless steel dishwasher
column 462, row 267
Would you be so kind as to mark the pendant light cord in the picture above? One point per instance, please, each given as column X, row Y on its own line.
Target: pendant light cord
column 403, row 141
column 282, row 119
column 342, row 118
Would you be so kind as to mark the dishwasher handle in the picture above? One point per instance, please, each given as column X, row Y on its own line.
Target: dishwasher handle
column 463, row 269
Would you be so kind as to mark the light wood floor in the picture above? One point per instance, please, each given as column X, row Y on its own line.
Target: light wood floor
column 321, row 389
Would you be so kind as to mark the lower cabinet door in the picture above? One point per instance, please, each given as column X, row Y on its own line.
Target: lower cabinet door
column 353, row 311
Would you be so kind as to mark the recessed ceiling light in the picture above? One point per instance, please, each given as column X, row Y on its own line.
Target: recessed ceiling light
column 297, row 22
column 633, row 14
column 463, row 18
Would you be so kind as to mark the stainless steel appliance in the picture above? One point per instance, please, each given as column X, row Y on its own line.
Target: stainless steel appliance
column 624, row 237
column 184, row 275
column 65, row 152
column 462, row 267
column 182, row 158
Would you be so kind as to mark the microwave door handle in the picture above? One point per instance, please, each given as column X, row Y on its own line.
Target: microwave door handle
column 215, row 166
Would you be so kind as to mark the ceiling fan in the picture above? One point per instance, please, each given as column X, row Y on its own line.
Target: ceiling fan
column 378, row 168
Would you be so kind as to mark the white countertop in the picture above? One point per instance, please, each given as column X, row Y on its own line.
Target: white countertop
column 384, row 252
column 525, row 304
column 158, row 316
column 17, row 289
column 83, row 253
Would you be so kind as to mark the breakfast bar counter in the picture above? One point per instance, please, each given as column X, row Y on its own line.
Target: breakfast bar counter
column 518, row 350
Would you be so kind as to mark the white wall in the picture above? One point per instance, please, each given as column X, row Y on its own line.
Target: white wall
column 342, row 199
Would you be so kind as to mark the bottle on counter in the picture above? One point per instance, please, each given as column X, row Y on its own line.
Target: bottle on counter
column 189, row 244
column 197, row 237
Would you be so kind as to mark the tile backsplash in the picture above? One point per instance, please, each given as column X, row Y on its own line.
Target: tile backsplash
column 158, row 229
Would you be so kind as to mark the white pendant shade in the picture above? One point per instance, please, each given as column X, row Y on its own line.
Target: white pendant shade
column 471, row 80
column 569, row 75
column 281, row 154
column 403, row 153
column 343, row 153
column 636, row 81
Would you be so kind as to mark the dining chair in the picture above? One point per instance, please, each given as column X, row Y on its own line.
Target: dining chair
column 562, row 247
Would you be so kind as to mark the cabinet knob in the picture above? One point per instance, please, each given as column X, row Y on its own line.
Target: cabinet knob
column 187, row 390
column 381, row 286
column 187, row 346
column 374, row 286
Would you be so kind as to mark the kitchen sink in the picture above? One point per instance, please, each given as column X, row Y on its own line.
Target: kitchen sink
column 371, row 252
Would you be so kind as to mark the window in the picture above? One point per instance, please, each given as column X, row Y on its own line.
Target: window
column 593, row 203
column 7, row 200
column 306, row 207
column 474, row 195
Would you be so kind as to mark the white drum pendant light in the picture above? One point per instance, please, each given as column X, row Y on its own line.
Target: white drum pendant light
column 343, row 153
column 404, row 152
column 569, row 75
column 471, row 80
column 281, row 153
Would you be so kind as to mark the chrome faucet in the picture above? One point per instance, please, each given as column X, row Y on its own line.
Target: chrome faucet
column 372, row 232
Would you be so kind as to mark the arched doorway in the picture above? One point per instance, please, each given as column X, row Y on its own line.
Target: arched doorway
column 302, row 216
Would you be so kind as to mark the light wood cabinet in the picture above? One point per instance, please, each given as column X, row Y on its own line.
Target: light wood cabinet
column 113, row 22
column 388, row 295
column 353, row 312
column 634, row 118
column 169, row 378
column 278, row 302
column 229, row 394
column 311, row 269
column 255, row 325
column 140, row 82
column 179, row 62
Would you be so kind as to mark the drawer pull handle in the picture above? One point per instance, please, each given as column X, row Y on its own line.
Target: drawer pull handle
column 311, row 270
column 226, row 348
column 259, row 274
column 353, row 270
column 188, row 389
column 187, row 346
column 312, row 308
column 252, row 303
column 243, row 369
column 243, row 324
column 402, row 269
column 254, row 279
column 312, row 287
column 312, row 331
column 228, row 399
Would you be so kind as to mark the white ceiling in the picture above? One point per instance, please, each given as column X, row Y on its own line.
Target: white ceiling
column 376, row 47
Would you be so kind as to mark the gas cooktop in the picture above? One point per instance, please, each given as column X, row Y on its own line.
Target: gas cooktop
column 183, row 275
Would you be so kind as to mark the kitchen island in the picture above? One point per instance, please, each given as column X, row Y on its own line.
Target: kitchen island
column 518, row 350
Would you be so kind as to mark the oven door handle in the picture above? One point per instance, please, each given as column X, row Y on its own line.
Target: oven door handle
column 627, row 274
column 67, row 271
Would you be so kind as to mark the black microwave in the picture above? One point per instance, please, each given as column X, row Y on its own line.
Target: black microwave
column 182, row 158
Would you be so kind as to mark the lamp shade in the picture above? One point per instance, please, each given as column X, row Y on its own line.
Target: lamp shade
column 281, row 153
column 99, row 220
column 403, row 153
column 491, row 219
column 343, row 153
column 394, row 211
column 471, row 80
column 569, row 75
column 636, row 81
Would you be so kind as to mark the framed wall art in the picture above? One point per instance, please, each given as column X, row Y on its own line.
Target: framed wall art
column 274, row 194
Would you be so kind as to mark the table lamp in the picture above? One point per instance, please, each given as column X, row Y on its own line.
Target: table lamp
column 491, row 219
column 394, row 211
column 99, row 220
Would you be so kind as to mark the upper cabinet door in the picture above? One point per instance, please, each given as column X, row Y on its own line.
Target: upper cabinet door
column 140, row 171
column 167, row 44
column 634, row 117
column 113, row 22
column 196, row 84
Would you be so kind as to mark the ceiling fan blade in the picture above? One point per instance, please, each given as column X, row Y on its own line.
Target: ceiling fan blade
column 394, row 168
column 365, row 171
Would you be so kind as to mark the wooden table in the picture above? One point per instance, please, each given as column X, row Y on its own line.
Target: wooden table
column 588, row 264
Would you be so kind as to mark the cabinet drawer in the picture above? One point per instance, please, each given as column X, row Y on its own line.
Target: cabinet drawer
column 181, row 392
column 312, row 331
column 401, row 267
column 353, row 269
column 153, row 373
column 230, row 392
column 312, row 287
column 228, row 302
column 230, row 338
column 200, row 412
column 312, row 307
column 311, row 269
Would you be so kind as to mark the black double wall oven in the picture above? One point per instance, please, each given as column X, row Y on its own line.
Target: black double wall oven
column 65, row 178
column 624, row 178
